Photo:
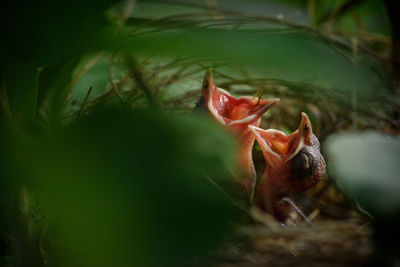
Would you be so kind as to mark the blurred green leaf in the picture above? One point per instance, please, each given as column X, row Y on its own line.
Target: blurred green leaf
column 367, row 166
column 128, row 188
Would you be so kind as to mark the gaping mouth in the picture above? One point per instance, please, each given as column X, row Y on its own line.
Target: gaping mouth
column 229, row 110
column 277, row 144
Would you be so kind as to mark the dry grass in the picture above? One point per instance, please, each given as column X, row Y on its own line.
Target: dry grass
column 326, row 243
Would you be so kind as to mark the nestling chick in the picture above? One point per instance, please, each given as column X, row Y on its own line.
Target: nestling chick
column 293, row 163
column 236, row 114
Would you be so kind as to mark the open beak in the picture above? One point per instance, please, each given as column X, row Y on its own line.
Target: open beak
column 276, row 144
column 236, row 114
column 300, row 138
column 229, row 110
column 293, row 162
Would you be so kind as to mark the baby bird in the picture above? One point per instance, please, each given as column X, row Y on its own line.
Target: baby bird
column 236, row 114
column 293, row 163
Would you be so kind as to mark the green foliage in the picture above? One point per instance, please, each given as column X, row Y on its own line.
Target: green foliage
column 49, row 35
column 129, row 188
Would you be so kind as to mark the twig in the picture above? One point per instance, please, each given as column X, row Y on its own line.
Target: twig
column 85, row 101
column 111, row 80
column 313, row 215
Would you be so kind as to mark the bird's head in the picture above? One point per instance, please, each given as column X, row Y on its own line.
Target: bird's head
column 293, row 161
column 234, row 113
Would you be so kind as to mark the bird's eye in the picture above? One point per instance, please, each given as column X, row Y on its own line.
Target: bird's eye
column 306, row 161
column 301, row 165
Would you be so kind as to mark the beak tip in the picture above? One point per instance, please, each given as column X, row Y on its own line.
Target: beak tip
column 304, row 117
column 305, row 126
column 208, row 80
column 209, row 73
column 273, row 101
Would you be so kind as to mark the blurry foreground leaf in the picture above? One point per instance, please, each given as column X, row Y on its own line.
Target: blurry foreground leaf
column 127, row 188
